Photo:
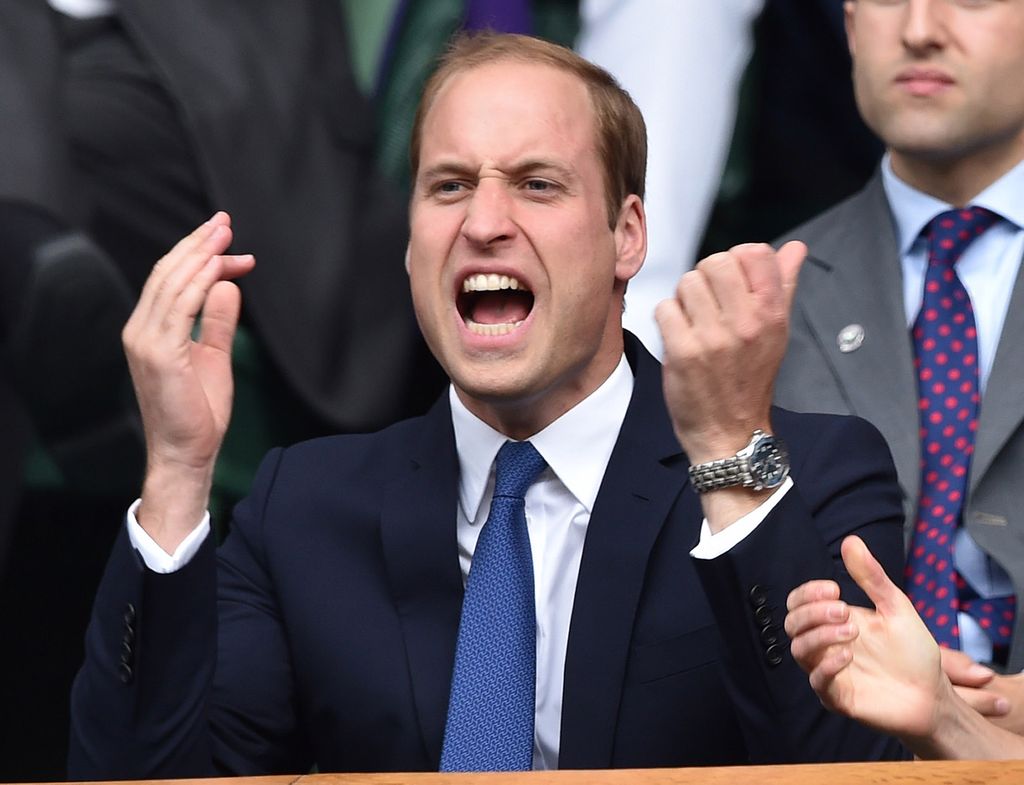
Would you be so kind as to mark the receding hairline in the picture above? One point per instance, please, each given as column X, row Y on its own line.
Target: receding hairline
column 502, row 58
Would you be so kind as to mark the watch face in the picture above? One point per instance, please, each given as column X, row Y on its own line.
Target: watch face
column 769, row 463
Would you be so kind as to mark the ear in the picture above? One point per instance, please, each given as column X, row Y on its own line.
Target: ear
column 408, row 249
column 630, row 238
column 849, row 9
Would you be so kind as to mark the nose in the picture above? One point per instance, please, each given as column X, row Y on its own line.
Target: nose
column 924, row 25
column 488, row 220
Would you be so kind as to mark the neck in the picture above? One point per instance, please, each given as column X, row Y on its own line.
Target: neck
column 524, row 416
column 956, row 180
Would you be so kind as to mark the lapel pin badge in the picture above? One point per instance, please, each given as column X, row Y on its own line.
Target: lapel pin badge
column 850, row 338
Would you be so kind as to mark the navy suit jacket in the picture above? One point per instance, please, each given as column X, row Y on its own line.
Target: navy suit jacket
column 323, row 630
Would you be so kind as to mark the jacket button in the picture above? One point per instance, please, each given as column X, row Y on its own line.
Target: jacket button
column 129, row 614
column 763, row 616
column 773, row 654
column 125, row 673
column 758, row 597
column 770, row 635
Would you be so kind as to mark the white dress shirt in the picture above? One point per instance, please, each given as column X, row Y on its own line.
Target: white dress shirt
column 576, row 447
column 682, row 61
column 83, row 9
column 988, row 270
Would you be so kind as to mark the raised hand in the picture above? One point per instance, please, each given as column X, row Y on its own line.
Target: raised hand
column 184, row 385
column 883, row 668
column 725, row 333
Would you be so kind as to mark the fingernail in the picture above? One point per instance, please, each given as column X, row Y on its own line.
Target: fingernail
column 1002, row 706
column 979, row 671
column 836, row 612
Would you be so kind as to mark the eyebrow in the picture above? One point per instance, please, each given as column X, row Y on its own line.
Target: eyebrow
column 520, row 169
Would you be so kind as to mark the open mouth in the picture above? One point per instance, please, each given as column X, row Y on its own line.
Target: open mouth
column 492, row 304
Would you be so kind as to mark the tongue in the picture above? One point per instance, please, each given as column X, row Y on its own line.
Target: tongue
column 500, row 307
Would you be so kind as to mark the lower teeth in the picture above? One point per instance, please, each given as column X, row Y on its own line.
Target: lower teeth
column 491, row 329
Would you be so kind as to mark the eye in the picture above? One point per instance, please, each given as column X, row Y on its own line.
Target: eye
column 539, row 187
column 449, row 187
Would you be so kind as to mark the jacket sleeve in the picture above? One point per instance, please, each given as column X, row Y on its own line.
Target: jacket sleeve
column 845, row 483
column 188, row 674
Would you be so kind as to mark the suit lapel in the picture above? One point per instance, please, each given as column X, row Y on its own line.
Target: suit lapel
column 644, row 477
column 418, row 534
column 860, row 282
column 1002, row 406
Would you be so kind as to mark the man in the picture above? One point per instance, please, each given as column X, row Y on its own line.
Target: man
column 342, row 634
column 909, row 307
column 882, row 666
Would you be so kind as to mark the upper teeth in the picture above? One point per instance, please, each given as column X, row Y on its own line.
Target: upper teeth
column 488, row 283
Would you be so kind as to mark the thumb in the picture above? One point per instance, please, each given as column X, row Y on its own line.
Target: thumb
column 220, row 316
column 963, row 671
column 887, row 597
column 791, row 258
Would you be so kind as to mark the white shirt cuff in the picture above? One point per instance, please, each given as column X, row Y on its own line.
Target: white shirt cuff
column 155, row 557
column 711, row 546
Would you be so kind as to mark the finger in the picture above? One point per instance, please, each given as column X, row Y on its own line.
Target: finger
column 163, row 313
column 191, row 300
column 725, row 276
column 815, row 614
column 697, row 298
column 183, row 247
column 220, row 316
column 964, row 671
column 235, row 265
column 831, row 665
column 988, row 704
column 812, row 591
column 813, row 644
column 760, row 268
column 869, row 575
column 673, row 324
column 791, row 258
column 186, row 269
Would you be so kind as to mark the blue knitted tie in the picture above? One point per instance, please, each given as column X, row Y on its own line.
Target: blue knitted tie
column 946, row 351
column 491, row 708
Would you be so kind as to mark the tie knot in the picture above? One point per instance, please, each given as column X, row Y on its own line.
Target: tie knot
column 950, row 232
column 517, row 466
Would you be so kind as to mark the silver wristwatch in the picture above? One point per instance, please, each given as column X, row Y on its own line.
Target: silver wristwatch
column 763, row 463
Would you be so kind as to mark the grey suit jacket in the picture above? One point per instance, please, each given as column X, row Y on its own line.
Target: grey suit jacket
column 853, row 277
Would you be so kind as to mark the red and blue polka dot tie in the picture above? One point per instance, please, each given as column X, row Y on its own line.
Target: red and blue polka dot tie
column 946, row 359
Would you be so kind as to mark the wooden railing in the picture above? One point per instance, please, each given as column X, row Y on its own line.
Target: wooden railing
column 908, row 773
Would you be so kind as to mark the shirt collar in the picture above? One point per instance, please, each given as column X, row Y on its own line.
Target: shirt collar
column 913, row 209
column 576, row 446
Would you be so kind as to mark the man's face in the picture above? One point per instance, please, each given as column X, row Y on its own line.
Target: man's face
column 940, row 79
column 517, row 278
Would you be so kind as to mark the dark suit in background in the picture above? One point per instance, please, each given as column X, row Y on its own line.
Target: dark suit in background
column 796, row 115
column 340, row 591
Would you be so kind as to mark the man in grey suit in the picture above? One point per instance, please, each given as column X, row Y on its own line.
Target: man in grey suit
column 942, row 83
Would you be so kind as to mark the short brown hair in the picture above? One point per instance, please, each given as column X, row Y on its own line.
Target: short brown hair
column 621, row 133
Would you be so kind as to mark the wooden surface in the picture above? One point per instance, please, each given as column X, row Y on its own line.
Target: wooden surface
column 910, row 773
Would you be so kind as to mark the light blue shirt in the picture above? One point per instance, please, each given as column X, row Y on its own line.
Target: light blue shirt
column 988, row 270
